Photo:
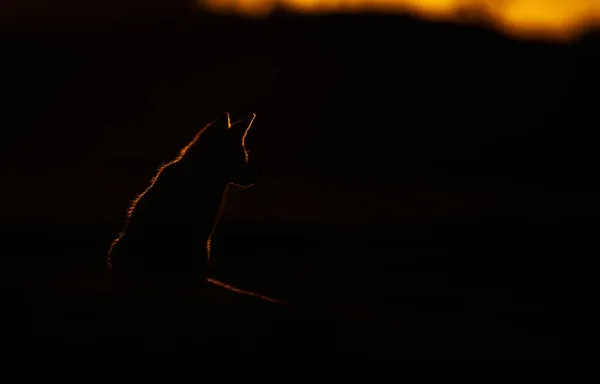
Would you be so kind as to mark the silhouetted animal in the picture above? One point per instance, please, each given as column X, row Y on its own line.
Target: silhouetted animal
column 166, row 240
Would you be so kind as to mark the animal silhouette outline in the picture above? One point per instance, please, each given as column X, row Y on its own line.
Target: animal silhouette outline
column 166, row 240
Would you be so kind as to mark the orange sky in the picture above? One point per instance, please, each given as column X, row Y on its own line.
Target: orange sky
column 536, row 18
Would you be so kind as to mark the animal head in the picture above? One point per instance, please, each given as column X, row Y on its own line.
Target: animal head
column 220, row 147
column 237, row 169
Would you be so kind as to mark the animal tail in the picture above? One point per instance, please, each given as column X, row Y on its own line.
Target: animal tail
column 244, row 292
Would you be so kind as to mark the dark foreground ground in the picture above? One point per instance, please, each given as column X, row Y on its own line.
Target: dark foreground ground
column 445, row 295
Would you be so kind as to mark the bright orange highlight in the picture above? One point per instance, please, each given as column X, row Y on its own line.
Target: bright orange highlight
column 231, row 288
column 556, row 19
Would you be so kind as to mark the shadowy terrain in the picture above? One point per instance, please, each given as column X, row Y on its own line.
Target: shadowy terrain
column 425, row 190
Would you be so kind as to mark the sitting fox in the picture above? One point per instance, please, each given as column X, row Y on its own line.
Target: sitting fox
column 166, row 240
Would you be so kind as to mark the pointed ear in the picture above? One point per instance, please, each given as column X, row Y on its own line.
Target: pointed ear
column 241, row 127
column 221, row 122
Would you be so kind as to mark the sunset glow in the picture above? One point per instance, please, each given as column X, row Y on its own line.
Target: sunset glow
column 557, row 19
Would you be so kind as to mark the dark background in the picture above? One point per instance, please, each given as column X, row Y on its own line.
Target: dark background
column 431, row 181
